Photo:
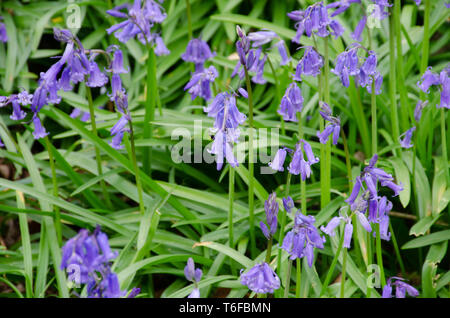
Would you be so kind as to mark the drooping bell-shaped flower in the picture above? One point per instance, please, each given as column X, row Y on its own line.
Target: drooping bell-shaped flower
column 271, row 210
column 405, row 138
column 260, row 279
column 291, row 103
column 401, row 288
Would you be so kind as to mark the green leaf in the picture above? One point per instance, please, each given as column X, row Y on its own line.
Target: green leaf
column 238, row 257
column 402, row 176
column 428, row 240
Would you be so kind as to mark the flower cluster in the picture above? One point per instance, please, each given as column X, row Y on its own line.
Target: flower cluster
column 198, row 52
column 140, row 19
column 193, row 275
column 291, row 103
column 271, row 209
column 315, row 20
column 442, row 81
column 119, row 97
column 87, row 259
column 303, row 238
column 227, row 120
column 3, row 34
column 334, row 126
column 348, row 63
column 369, row 201
column 401, row 288
column 252, row 58
column 260, row 279
column 310, row 64
column 298, row 163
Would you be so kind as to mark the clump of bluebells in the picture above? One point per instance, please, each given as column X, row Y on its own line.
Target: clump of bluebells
column 401, row 288
column 87, row 258
column 303, row 238
column 349, row 63
column 198, row 52
column 140, row 19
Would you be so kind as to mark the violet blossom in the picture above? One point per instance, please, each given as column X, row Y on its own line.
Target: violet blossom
column 401, row 288
column 291, row 103
column 260, row 279
column 271, row 210
column 333, row 128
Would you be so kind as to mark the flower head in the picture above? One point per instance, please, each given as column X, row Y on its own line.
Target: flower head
column 333, row 128
column 197, row 51
column 407, row 135
column 298, row 164
column 291, row 103
column 271, row 209
column 260, row 279
column 401, row 288
column 310, row 64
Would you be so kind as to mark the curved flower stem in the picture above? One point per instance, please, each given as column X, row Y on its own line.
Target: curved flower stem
column 332, row 266
column 136, row 169
column 380, row 255
column 57, row 215
column 150, row 103
column 288, row 279
column 250, row 164
column 344, row 264
column 299, row 278
column 97, row 151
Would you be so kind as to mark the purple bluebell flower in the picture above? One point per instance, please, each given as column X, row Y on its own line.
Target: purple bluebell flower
column 223, row 108
column 197, row 51
column 191, row 273
column 291, row 103
column 407, row 135
column 260, row 279
column 18, row 113
column 298, row 164
column 160, row 47
column 39, row 131
column 418, row 2
column 24, row 98
column 271, row 209
column 116, row 141
column 310, row 64
column 222, row 148
column 401, row 288
column 356, row 35
column 444, row 79
column 288, row 204
column 418, row 110
column 303, row 238
column 117, row 61
column 260, row 38
column 3, row 33
column 333, row 128
column 278, row 161
column 285, row 59
column 199, row 85
column 428, row 79
column 243, row 92
column 336, row 29
column 96, row 77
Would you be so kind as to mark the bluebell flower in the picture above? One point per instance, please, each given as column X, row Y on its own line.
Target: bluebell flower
column 223, row 149
column 303, row 238
column 291, row 103
column 223, row 108
column 444, row 78
column 39, row 130
column 278, row 161
column 3, row 33
column 271, row 210
column 428, row 79
column 197, row 51
column 160, row 46
column 260, row 38
column 356, row 35
column 333, row 128
column 285, row 59
column 298, row 164
column 193, row 275
column 310, row 64
column 288, row 204
column 117, row 61
column 260, row 279
column 407, row 135
column 200, row 83
column 401, row 288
